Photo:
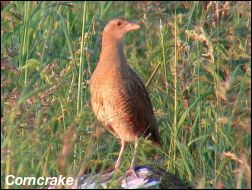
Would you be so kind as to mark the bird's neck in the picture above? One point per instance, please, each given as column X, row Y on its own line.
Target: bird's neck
column 112, row 52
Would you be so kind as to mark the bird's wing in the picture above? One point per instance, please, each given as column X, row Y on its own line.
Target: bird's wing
column 144, row 117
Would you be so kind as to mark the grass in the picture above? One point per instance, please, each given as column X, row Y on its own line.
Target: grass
column 195, row 58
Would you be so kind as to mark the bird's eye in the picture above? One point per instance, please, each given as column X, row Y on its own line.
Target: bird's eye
column 119, row 23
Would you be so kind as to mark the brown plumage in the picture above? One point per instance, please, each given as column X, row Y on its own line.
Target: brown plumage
column 119, row 98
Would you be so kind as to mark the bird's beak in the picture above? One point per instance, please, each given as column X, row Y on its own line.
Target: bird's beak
column 131, row 26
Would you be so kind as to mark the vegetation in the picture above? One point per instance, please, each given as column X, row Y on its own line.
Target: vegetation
column 195, row 58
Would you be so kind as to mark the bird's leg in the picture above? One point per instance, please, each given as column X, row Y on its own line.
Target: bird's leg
column 119, row 159
column 133, row 161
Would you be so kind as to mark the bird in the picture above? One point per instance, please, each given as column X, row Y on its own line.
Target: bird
column 118, row 96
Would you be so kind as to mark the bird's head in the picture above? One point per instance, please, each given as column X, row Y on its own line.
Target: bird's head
column 118, row 27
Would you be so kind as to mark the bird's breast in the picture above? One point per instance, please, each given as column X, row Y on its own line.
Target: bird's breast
column 113, row 104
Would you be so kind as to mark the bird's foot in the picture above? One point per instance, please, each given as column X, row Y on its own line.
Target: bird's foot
column 107, row 175
column 132, row 172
